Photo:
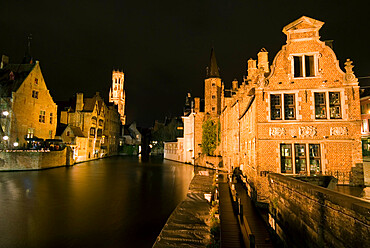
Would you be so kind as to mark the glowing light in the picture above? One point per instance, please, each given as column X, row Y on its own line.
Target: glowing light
column 6, row 113
column 5, row 138
column 15, row 144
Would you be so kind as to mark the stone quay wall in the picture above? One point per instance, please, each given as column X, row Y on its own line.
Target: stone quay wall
column 306, row 215
column 34, row 159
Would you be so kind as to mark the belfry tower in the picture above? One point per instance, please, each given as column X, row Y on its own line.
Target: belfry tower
column 117, row 93
column 212, row 88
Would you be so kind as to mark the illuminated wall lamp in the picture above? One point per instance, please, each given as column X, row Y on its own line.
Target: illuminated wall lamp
column 6, row 113
column 5, row 138
column 15, row 144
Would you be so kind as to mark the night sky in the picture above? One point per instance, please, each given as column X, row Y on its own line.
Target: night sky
column 164, row 46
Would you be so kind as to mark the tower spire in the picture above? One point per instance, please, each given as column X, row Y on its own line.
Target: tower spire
column 213, row 71
column 27, row 59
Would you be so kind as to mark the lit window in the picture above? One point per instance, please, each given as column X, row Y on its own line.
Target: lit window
column 276, row 106
column 92, row 132
column 286, row 158
column 334, row 107
column 304, row 66
column 35, row 94
column 42, row 116
column 275, row 102
column 315, row 159
column 289, row 107
column 322, row 103
column 302, row 159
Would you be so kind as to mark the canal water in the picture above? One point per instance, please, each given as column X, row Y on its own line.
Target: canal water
column 113, row 202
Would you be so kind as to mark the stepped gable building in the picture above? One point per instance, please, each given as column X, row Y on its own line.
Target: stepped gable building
column 99, row 125
column 302, row 117
column 27, row 108
column 117, row 93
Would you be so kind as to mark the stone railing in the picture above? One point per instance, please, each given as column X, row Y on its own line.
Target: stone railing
column 307, row 215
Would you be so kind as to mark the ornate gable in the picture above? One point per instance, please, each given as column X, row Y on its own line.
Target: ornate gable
column 303, row 28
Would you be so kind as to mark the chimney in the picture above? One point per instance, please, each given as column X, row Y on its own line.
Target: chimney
column 4, row 61
column 79, row 101
column 196, row 104
column 252, row 68
column 263, row 60
column 235, row 85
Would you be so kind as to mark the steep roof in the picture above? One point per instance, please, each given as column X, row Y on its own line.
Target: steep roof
column 77, row 131
column 213, row 70
column 12, row 77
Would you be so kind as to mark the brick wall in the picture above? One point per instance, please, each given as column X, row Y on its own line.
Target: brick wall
column 33, row 160
column 307, row 215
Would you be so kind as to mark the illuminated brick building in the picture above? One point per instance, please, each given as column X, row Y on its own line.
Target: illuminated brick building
column 302, row 117
column 27, row 108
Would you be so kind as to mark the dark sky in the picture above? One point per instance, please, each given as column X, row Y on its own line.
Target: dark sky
column 164, row 46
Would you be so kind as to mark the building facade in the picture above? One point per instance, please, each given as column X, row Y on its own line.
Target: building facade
column 99, row 124
column 301, row 118
column 27, row 108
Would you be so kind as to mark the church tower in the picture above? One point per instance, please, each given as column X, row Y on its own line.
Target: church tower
column 212, row 88
column 117, row 93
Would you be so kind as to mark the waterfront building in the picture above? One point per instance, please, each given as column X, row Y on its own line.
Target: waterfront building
column 300, row 117
column 96, row 122
column 117, row 93
column 28, row 111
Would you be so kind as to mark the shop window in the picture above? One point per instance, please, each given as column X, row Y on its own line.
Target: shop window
column 286, row 158
column 335, row 109
column 315, row 159
column 304, row 66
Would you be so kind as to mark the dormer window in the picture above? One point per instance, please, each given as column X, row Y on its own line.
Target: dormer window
column 304, row 66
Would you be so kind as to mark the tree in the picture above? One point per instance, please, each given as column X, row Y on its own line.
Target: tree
column 210, row 136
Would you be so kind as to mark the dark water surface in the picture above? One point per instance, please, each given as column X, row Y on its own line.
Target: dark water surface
column 113, row 202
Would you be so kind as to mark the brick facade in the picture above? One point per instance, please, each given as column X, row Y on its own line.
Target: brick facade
column 302, row 117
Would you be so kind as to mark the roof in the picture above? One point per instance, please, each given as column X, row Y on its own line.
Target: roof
column 12, row 77
column 213, row 70
column 60, row 129
column 77, row 131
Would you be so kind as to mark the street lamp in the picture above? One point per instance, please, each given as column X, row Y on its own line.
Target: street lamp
column 5, row 137
column 5, row 113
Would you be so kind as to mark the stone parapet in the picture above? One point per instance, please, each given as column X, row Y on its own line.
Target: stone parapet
column 318, row 213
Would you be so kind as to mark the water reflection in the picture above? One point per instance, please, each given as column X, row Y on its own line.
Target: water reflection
column 115, row 202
